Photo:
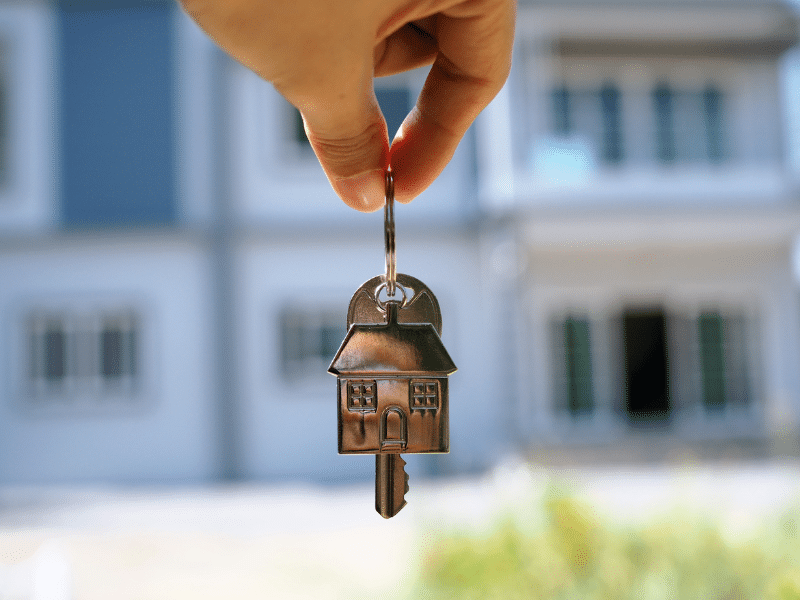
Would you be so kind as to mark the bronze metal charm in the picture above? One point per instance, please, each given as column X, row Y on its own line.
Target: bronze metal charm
column 392, row 372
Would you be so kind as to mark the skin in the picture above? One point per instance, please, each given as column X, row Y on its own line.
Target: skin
column 322, row 56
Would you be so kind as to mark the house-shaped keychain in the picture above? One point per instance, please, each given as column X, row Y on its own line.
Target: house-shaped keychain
column 392, row 383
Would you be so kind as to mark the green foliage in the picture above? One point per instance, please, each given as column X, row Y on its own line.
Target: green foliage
column 574, row 554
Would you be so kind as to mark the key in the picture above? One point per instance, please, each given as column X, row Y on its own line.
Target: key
column 392, row 374
column 392, row 371
column 391, row 484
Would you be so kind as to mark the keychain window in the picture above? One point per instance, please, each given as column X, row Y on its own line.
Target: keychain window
column 424, row 395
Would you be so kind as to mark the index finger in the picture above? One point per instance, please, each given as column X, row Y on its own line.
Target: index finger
column 475, row 43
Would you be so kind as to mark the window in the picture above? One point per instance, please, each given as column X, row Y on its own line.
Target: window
column 562, row 125
column 688, row 124
column 424, row 395
column 722, row 360
column 49, row 362
column 309, row 340
column 712, row 111
column 577, row 356
column 676, row 126
column 712, row 359
column 118, row 349
column 665, row 125
column 612, row 129
column 362, row 395
column 76, row 355
column 573, row 365
column 594, row 115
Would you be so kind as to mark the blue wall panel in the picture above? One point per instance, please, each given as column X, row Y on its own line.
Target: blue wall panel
column 117, row 159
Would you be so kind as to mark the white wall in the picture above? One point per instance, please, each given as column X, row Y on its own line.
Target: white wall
column 290, row 427
column 167, row 432
column 547, row 172
column 601, row 281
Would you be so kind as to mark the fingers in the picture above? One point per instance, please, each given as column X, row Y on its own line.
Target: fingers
column 319, row 56
column 409, row 47
column 322, row 56
column 349, row 137
column 475, row 41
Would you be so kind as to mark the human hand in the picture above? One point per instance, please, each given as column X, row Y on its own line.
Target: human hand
column 322, row 57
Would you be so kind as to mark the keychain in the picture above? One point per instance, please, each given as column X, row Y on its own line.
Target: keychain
column 392, row 374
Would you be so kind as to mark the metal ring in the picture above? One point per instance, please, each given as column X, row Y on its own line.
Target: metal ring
column 388, row 236
column 381, row 304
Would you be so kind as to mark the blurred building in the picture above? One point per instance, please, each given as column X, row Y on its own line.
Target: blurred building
column 612, row 247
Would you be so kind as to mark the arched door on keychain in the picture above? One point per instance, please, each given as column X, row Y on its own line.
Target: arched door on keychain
column 394, row 430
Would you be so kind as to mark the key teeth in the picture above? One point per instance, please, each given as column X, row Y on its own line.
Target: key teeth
column 402, row 467
column 390, row 479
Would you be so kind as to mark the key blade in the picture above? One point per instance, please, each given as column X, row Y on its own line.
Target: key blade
column 391, row 484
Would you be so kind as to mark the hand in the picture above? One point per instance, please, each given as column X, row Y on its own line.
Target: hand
column 322, row 56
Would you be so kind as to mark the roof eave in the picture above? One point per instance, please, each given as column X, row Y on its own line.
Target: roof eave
column 390, row 374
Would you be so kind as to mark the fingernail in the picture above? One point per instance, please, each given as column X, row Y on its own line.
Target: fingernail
column 365, row 192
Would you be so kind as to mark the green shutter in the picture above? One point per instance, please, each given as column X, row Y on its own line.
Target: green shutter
column 578, row 361
column 712, row 358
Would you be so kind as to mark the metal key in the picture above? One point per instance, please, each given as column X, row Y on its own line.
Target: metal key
column 392, row 371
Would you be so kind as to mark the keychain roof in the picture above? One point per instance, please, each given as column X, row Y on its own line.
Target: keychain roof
column 392, row 347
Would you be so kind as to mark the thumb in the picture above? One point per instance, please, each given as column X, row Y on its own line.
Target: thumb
column 349, row 137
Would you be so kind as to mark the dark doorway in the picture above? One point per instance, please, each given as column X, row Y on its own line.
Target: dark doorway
column 646, row 381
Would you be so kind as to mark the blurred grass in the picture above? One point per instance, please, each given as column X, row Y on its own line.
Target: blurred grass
column 567, row 551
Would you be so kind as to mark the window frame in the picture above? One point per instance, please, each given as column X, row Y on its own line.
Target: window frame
column 733, row 375
column 694, row 129
column 613, row 143
column 298, row 320
column 413, row 395
column 355, row 398
column 81, row 384
column 563, row 388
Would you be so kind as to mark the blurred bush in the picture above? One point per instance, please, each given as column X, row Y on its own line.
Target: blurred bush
column 571, row 553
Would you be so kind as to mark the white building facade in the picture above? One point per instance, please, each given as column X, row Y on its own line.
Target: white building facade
column 654, row 218
column 612, row 247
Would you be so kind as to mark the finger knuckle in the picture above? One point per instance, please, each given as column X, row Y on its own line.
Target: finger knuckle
column 345, row 155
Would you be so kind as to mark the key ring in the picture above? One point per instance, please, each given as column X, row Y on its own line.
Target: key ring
column 388, row 236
